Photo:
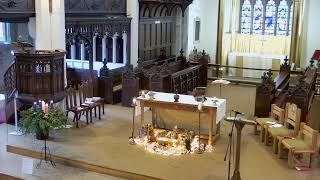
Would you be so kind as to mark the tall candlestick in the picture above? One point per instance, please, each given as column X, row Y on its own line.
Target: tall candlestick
column 131, row 139
column 40, row 105
column 46, row 109
column 43, row 105
column 51, row 104
column 35, row 107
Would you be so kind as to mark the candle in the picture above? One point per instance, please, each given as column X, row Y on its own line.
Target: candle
column 200, row 106
column 46, row 109
column 134, row 101
column 40, row 106
column 43, row 105
column 51, row 104
column 35, row 107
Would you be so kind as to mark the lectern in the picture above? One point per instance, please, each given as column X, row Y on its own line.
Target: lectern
column 239, row 124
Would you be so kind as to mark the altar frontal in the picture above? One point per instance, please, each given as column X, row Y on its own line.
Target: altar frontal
column 182, row 115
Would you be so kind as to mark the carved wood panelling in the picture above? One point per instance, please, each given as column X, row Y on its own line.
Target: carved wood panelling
column 160, row 27
column 16, row 10
column 95, row 7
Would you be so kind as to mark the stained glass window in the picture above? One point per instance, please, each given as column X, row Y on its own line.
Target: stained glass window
column 266, row 17
column 257, row 17
column 291, row 19
column 246, row 17
column 270, row 17
column 282, row 22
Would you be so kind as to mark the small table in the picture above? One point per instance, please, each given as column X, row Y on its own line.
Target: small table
column 214, row 111
column 221, row 83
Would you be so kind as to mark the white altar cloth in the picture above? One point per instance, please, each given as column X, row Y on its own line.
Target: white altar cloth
column 251, row 60
column 188, row 100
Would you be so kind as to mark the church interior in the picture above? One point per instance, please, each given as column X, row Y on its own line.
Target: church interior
column 159, row 89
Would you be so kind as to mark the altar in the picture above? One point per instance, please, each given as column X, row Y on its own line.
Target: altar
column 253, row 60
column 168, row 114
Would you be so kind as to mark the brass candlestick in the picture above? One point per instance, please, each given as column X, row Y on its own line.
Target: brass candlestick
column 131, row 139
column 199, row 150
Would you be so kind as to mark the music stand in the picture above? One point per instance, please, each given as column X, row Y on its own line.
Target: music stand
column 239, row 123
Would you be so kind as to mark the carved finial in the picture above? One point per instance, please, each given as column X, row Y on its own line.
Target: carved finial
column 181, row 52
column 269, row 73
column 286, row 60
column 264, row 77
column 105, row 62
column 311, row 63
column 163, row 51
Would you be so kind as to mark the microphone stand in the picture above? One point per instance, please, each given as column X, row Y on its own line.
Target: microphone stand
column 229, row 147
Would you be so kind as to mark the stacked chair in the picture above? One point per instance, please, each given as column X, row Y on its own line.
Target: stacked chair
column 286, row 132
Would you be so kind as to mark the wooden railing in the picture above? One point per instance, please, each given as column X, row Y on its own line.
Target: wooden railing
column 10, row 81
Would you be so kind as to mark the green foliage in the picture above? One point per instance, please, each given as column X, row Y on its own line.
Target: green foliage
column 37, row 123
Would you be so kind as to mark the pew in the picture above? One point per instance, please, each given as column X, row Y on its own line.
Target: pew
column 272, row 91
column 150, row 75
column 302, row 93
column 185, row 81
column 110, row 84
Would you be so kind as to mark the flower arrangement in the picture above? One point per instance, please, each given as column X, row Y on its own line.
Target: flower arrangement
column 40, row 118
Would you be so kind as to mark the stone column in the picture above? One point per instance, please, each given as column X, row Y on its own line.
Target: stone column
column 125, row 42
column 114, row 48
column 133, row 12
column 103, row 48
column 83, row 51
column 73, row 49
column 45, row 37
column 43, row 25
column 94, row 48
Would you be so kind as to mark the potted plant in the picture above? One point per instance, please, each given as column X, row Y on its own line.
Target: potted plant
column 39, row 121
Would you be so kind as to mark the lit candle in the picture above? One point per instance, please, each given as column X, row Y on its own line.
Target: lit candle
column 35, row 107
column 51, row 104
column 200, row 106
column 40, row 102
column 43, row 105
column 46, row 109
column 134, row 101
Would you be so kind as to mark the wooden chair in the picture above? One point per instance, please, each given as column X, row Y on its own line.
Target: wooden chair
column 277, row 115
column 87, row 101
column 96, row 99
column 73, row 106
column 292, row 119
column 304, row 143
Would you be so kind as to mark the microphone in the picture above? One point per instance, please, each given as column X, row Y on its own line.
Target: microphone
column 237, row 112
